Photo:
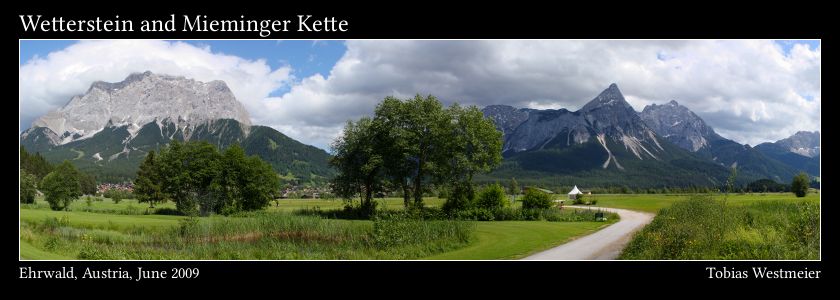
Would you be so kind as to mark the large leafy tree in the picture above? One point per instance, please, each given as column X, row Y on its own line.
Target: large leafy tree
column 412, row 143
column 473, row 145
column 28, row 187
column 391, row 142
column 243, row 183
column 87, row 183
column 61, row 186
column 359, row 162
column 147, row 186
column 187, row 171
column 201, row 180
column 427, row 135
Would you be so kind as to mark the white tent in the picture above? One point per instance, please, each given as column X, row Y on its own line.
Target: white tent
column 573, row 194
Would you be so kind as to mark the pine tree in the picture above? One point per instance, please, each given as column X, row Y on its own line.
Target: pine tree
column 147, row 186
column 514, row 187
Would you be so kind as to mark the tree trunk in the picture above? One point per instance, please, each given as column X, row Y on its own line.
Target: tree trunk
column 418, row 188
column 406, row 192
column 368, row 195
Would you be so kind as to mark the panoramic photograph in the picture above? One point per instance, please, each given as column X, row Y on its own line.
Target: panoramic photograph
column 535, row 150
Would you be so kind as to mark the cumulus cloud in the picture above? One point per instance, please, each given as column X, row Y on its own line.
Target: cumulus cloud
column 48, row 83
column 751, row 91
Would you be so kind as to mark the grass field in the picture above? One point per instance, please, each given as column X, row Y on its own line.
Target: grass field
column 107, row 230
column 517, row 239
column 103, row 229
column 98, row 220
column 704, row 227
column 27, row 251
column 654, row 202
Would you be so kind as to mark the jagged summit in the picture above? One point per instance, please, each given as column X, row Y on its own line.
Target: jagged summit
column 110, row 128
column 608, row 121
column 609, row 97
column 679, row 125
column 140, row 99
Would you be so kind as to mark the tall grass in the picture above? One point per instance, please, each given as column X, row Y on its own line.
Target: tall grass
column 473, row 214
column 701, row 227
column 256, row 235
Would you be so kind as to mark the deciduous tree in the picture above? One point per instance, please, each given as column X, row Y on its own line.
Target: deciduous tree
column 61, row 186
column 799, row 185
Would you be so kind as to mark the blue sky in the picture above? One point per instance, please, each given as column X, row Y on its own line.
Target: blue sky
column 787, row 45
column 305, row 57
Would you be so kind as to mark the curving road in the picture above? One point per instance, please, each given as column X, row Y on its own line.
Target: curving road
column 606, row 243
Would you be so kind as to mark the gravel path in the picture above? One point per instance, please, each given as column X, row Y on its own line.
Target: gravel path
column 606, row 243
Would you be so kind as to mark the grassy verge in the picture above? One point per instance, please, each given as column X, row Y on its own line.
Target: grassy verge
column 703, row 227
column 29, row 252
column 517, row 239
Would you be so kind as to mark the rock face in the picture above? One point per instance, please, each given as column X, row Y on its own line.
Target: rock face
column 608, row 134
column 108, row 130
column 679, row 125
column 506, row 117
column 140, row 99
column 804, row 143
column 607, row 117
column 800, row 151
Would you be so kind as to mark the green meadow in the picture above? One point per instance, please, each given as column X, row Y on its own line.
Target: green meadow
column 102, row 229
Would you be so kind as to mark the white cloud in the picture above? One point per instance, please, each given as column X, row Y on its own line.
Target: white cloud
column 749, row 91
column 47, row 83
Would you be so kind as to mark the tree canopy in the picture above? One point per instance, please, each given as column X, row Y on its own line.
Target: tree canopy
column 201, row 180
column 61, row 186
column 359, row 162
column 34, row 164
column 28, row 187
column 414, row 143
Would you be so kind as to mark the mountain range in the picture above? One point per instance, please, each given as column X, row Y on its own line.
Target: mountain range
column 608, row 143
column 109, row 129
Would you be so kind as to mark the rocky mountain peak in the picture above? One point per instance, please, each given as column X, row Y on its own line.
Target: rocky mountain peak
column 679, row 125
column 610, row 97
column 805, row 143
column 143, row 98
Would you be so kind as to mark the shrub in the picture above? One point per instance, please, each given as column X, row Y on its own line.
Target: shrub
column 118, row 195
column 462, row 197
column 493, row 196
column 799, row 186
column 536, row 199
column 585, row 199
